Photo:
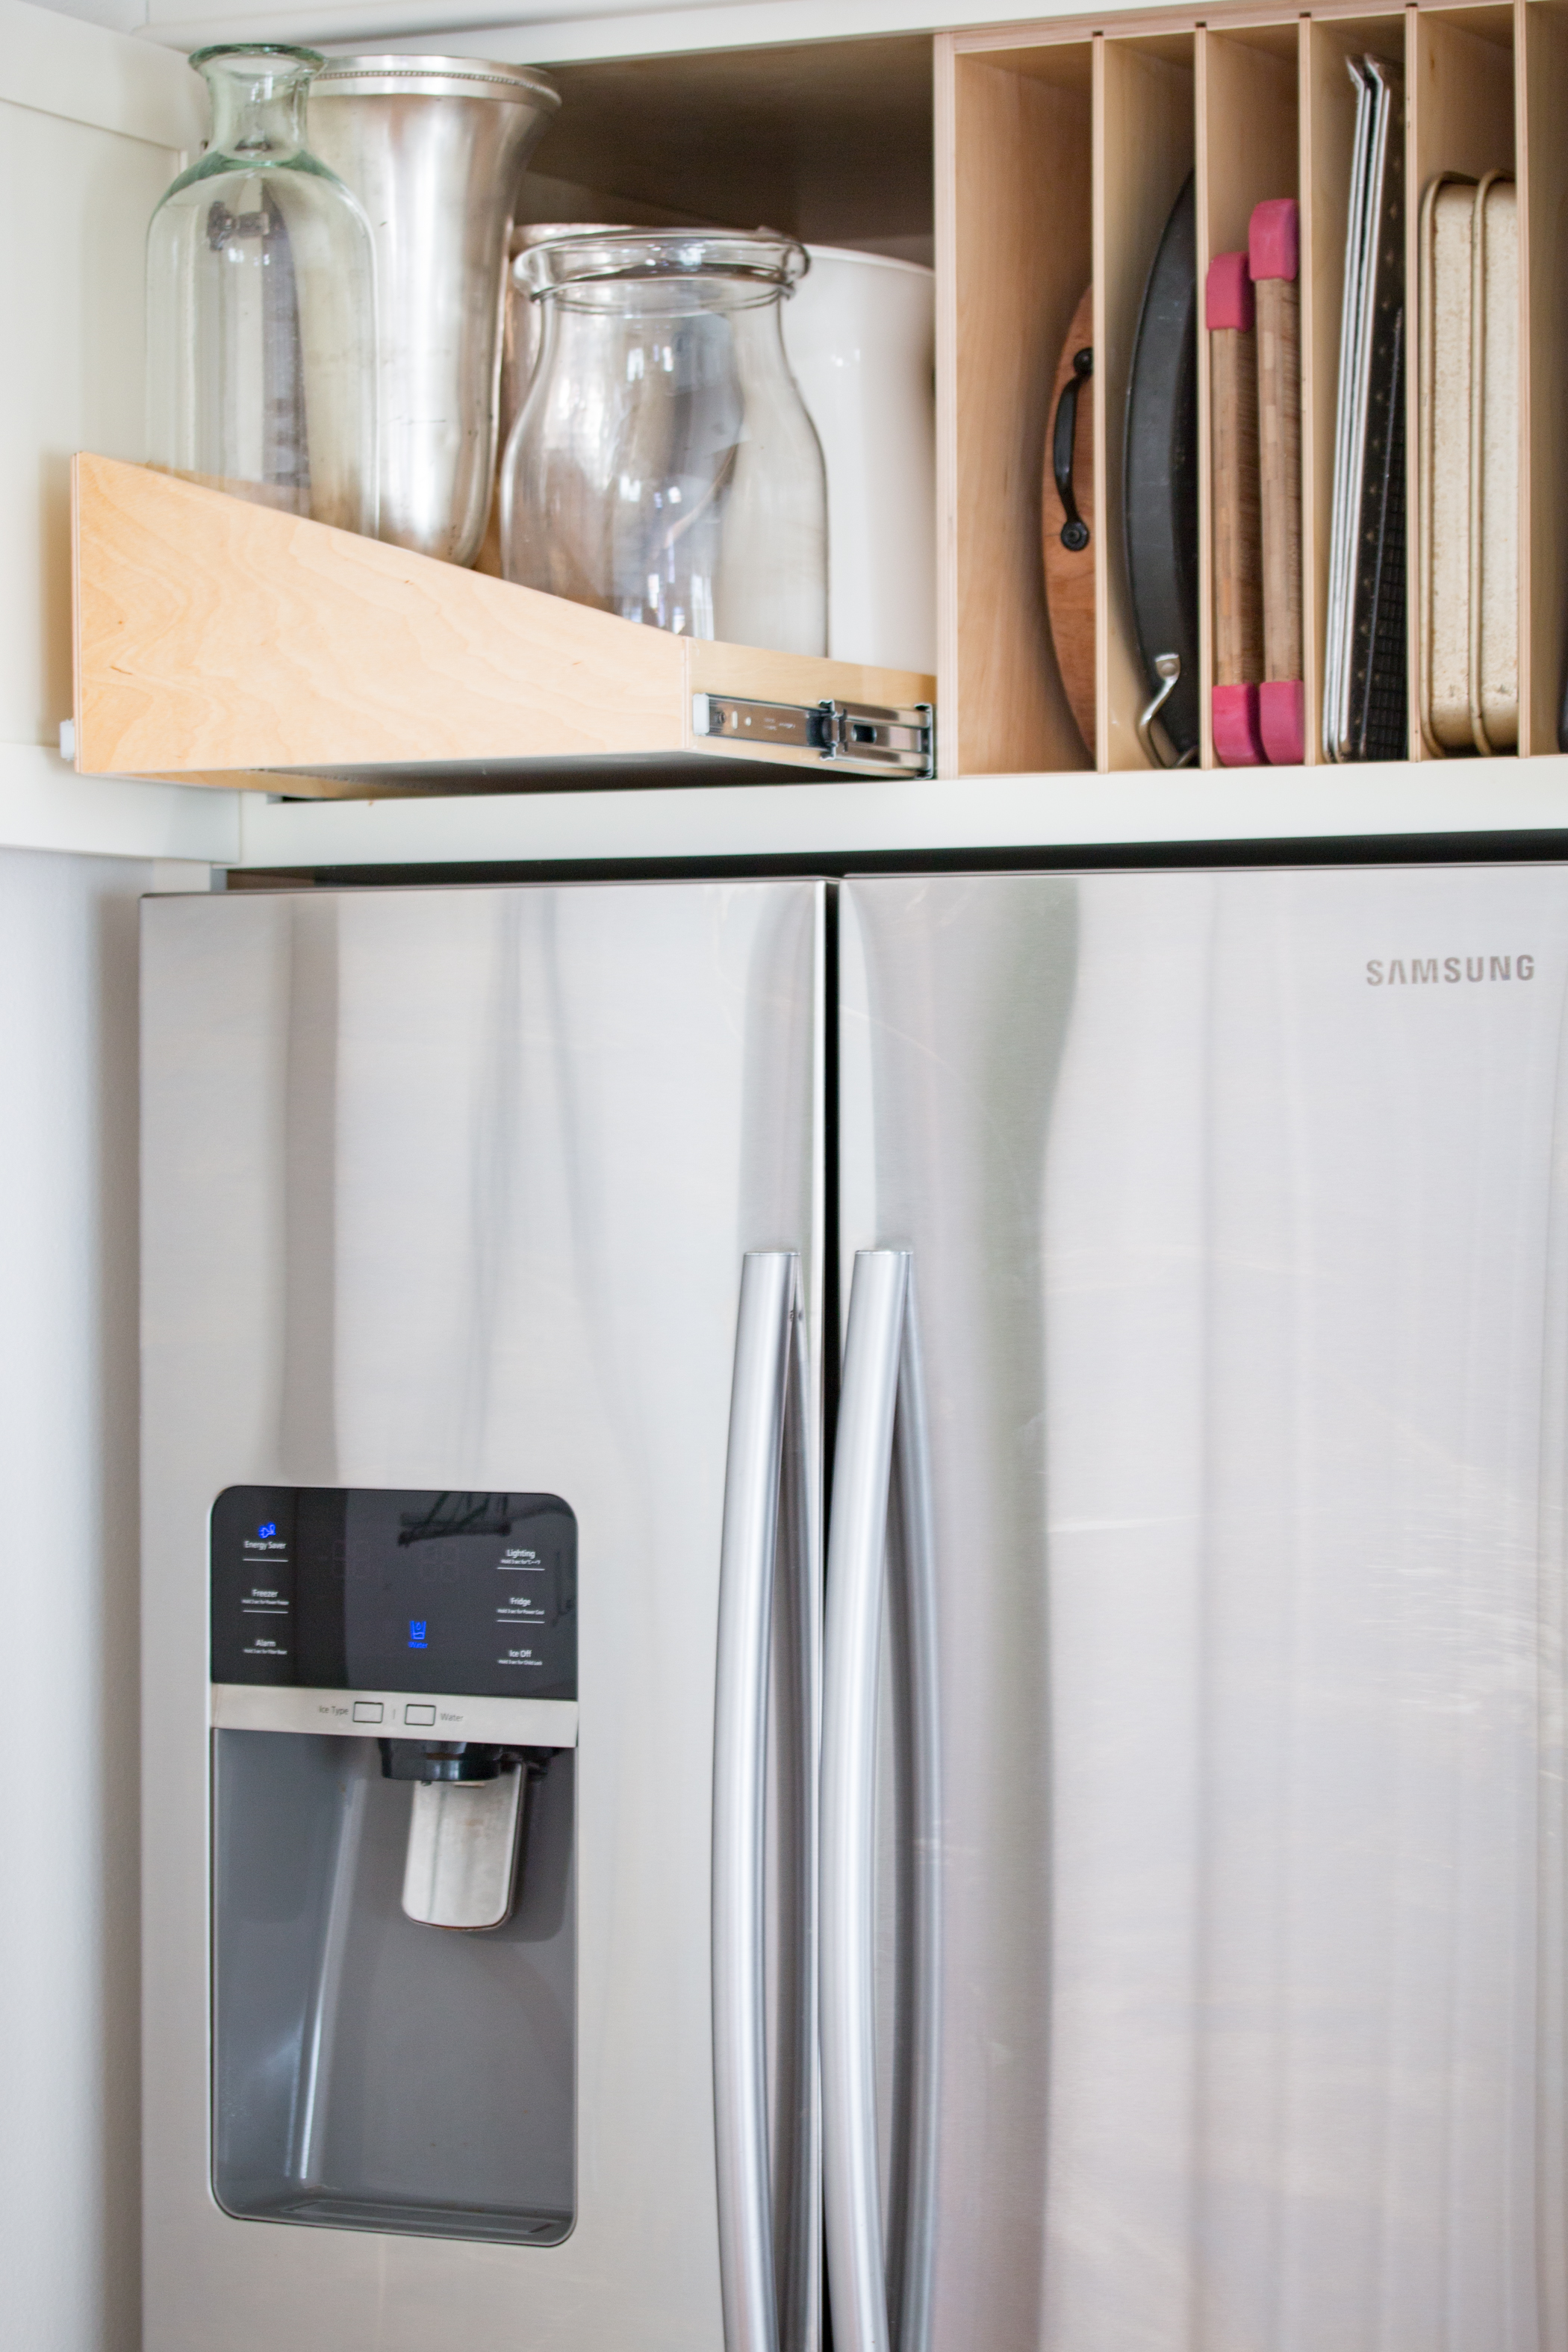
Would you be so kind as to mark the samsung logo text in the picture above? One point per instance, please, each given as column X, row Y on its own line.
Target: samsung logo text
column 1427, row 972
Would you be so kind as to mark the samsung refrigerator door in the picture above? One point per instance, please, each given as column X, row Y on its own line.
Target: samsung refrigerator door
column 483, row 1268
column 1212, row 1333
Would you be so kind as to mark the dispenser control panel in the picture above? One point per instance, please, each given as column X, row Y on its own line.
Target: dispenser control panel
column 331, row 1588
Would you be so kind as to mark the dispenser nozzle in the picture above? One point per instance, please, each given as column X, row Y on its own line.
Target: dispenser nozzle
column 467, row 1825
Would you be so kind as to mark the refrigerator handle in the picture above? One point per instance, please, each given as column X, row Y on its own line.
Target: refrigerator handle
column 879, row 2300
column 765, row 1506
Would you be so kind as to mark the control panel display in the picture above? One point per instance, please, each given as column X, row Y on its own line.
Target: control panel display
column 383, row 1589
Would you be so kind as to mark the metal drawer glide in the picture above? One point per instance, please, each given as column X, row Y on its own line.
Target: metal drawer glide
column 852, row 734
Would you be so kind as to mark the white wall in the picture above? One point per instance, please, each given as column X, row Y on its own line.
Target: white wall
column 93, row 129
column 69, row 2219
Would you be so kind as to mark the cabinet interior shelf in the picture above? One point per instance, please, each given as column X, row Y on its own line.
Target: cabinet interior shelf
column 1070, row 818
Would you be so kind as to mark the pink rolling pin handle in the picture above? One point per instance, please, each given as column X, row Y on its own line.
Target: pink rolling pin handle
column 1274, row 239
column 1227, row 294
column 1282, row 721
column 1237, row 741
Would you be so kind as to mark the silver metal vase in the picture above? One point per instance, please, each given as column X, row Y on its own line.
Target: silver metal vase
column 434, row 148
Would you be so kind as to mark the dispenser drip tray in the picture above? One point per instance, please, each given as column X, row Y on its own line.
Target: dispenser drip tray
column 499, row 2227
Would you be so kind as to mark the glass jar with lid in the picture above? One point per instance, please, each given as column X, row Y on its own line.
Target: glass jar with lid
column 663, row 466
column 261, row 374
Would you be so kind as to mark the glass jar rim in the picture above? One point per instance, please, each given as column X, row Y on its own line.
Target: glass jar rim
column 757, row 258
column 314, row 59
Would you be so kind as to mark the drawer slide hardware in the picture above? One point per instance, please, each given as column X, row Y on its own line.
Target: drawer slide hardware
column 856, row 734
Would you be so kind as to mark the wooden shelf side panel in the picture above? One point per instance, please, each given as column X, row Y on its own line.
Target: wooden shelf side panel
column 1013, row 247
column 218, row 640
column 1144, row 150
column 1458, row 83
column 1246, row 152
column 1540, row 59
column 214, row 636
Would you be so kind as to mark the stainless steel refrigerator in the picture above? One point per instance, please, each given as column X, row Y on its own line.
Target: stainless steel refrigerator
column 1189, row 1946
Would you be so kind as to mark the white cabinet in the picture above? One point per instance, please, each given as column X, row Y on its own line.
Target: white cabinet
column 818, row 121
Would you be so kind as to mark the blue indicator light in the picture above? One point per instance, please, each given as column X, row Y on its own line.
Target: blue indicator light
column 267, row 1528
column 416, row 1633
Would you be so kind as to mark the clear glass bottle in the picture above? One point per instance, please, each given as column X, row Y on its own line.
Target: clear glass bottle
column 663, row 466
column 261, row 305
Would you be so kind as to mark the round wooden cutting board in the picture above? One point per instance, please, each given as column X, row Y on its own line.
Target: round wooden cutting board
column 1069, row 571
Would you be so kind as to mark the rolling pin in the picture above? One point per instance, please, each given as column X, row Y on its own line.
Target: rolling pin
column 1228, row 316
column 1274, row 248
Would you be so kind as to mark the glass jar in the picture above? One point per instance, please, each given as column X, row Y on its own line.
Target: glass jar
column 663, row 466
column 261, row 305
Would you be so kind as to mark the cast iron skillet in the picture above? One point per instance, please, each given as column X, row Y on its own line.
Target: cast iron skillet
column 1160, row 473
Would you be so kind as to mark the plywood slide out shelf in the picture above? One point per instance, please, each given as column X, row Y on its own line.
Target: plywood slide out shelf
column 221, row 642
column 1060, row 150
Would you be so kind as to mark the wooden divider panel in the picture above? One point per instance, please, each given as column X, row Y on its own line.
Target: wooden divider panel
column 1459, row 82
column 1247, row 147
column 1541, row 58
column 1144, row 150
column 1013, row 258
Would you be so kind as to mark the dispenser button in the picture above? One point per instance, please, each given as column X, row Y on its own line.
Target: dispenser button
column 421, row 1715
column 368, row 1710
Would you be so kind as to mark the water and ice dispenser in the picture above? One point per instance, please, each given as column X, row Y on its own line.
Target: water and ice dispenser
column 394, row 1704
